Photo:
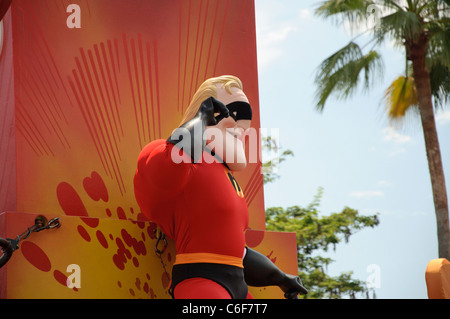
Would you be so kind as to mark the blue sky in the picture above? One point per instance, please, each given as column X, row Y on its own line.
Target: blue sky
column 351, row 149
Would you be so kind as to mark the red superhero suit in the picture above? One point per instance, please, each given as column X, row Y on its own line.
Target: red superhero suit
column 200, row 206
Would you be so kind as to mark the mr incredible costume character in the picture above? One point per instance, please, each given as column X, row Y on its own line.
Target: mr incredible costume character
column 186, row 186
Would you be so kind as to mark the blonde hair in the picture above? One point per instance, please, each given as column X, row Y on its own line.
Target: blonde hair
column 208, row 89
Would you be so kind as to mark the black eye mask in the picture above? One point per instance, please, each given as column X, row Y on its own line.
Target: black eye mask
column 238, row 111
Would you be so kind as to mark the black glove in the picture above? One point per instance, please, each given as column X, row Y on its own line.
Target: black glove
column 259, row 271
column 194, row 129
column 292, row 286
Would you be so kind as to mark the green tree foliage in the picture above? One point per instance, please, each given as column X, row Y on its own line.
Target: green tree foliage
column 316, row 234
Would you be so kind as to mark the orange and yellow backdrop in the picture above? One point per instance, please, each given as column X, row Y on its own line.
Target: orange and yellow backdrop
column 76, row 107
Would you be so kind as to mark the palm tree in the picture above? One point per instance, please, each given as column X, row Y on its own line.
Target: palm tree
column 422, row 28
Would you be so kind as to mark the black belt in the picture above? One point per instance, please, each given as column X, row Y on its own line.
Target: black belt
column 229, row 277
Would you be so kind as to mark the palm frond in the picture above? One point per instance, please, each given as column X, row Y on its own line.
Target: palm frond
column 343, row 71
column 353, row 11
column 437, row 8
column 440, row 83
column 439, row 41
column 438, row 52
column 401, row 24
column 400, row 96
column 392, row 4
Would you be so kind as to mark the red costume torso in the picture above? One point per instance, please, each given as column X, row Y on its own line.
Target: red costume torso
column 200, row 206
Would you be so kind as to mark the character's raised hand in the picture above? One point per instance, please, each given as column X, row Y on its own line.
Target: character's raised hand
column 211, row 106
column 190, row 136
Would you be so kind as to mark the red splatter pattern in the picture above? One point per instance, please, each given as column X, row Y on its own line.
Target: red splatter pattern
column 83, row 233
column 70, row 201
column 121, row 213
column 138, row 246
column 36, row 256
column 95, row 187
column 125, row 246
column 101, row 239
column 165, row 279
column 253, row 237
column 138, row 283
column 120, row 258
column 91, row 221
column 60, row 277
column 274, row 259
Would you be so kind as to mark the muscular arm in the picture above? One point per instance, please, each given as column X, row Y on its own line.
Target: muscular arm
column 259, row 271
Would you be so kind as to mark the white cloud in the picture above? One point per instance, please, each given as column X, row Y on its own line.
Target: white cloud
column 366, row 194
column 443, row 117
column 384, row 183
column 390, row 134
column 273, row 32
column 305, row 14
column 278, row 35
column 270, row 43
